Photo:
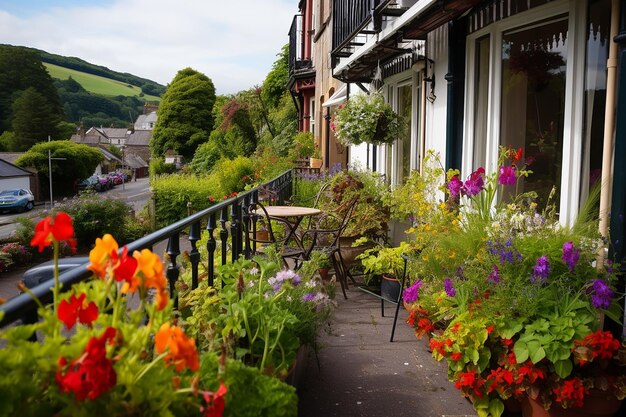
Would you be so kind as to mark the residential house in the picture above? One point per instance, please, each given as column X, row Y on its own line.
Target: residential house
column 472, row 76
column 12, row 176
column 146, row 121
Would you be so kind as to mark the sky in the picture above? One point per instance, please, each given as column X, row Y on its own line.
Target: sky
column 233, row 42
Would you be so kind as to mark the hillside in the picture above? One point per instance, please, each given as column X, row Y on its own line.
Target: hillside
column 97, row 84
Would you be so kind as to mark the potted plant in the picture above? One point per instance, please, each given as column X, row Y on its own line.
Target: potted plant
column 367, row 118
column 388, row 263
column 316, row 160
column 322, row 262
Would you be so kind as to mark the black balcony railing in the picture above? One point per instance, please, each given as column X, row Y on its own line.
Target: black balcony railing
column 296, row 43
column 225, row 224
column 349, row 18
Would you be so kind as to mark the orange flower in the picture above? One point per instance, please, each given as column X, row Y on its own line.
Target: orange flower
column 149, row 275
column 58, row 229
column 182, row 349
column 100, row 255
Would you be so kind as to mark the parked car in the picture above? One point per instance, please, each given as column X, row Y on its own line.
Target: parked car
column 91, row 183
column 17, row 200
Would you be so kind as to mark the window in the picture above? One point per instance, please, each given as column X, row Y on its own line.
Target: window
column 312, row 116
column 526, row 88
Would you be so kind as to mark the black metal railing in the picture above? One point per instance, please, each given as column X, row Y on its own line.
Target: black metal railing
column 349, row 18
column 228, row 219
column 296, row 42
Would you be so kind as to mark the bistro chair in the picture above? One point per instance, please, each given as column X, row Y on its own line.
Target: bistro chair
column 324, row 236
column 261, row 231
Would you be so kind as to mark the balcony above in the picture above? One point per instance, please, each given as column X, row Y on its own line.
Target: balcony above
column 371, row 32
column 300, row 65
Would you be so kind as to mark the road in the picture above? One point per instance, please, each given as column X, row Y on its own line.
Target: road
column 135, row 193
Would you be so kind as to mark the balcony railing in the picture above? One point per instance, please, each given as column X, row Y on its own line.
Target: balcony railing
column 349, row 18
column 297, row 60
column 227, row 220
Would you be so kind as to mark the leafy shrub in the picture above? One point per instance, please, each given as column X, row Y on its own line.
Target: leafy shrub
column 303, row 146
column 205, row 158
column 264, row 396
column 172, row 192
column 95, row 215
column 159, row 167
column 233, row 174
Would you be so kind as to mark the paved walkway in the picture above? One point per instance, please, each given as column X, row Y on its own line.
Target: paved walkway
column 362, row 374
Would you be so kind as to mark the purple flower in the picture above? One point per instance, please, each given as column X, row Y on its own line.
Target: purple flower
column 570, row 255
column 602, row 294
column 455, row 185
column 494, row 277
column 475, row 183
column 507, row 175
column 308, row 297
column 541, row 270
column 447, row 284
column 412, row 293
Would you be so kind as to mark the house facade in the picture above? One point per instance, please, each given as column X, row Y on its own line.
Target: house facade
column 472, row 76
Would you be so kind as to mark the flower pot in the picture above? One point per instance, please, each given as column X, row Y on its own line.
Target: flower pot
column 390, row 288
column 349, row 253
column 296, row 372
column 596, row 404
column 324, row 273
column 315, row 162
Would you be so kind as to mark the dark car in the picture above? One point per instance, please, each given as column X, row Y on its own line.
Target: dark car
column 91, row 183
column 17, row 200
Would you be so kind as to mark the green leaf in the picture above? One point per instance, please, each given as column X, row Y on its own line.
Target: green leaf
column 535, row 351
column 563, row 368
column 521, row 351
column 496, row 407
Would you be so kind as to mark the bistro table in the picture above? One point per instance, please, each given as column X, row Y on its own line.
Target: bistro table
column 293, row 216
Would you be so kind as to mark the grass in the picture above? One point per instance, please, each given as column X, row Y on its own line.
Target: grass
column 97, row 84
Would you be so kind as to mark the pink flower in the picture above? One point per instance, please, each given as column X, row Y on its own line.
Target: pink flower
column 455, row 185
column 507, row 175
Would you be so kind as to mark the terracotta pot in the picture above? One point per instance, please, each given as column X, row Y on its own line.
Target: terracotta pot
column 597, row 404
column 324, row 273
column 349, row 253
column 315, row 162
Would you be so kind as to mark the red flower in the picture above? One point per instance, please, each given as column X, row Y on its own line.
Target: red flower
column 77, row 309
column 499, row 379
column 571, row 392
column 527, row 370
column 211, row 198
column 456, row 327
column 215, row 402
column 58, row 229
column 490, row 329
column 91, row 374
column 596, row 345
column 456, row 356
column 126, row 266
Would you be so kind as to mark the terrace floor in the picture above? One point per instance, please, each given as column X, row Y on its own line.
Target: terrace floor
column 362, row 374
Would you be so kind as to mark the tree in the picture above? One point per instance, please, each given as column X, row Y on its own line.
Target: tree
column 79, row 162
column 20, row 69
column 185, row 115
column 34, row 119
column 275, row 83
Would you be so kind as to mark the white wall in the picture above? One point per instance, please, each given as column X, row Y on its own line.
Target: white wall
column 436, row 111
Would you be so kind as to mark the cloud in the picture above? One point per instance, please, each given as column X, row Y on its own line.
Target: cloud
column 232, row 42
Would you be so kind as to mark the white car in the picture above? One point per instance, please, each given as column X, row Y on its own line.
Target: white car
column 18, row 199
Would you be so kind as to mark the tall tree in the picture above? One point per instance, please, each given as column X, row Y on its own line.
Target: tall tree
column 185, row 115
column 20, row 69
column 34, row 119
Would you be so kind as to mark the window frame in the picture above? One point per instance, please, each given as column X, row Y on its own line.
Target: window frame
column 574, row 96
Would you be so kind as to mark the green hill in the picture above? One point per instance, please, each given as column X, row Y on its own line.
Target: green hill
column 97, row 84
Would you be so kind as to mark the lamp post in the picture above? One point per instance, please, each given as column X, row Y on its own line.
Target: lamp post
column 50, row 158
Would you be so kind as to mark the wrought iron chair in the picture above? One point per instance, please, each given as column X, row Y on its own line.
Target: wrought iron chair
column 324, row 236
column 260, row 231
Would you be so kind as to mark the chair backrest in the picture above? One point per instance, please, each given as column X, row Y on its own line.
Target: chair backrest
column 327, row 238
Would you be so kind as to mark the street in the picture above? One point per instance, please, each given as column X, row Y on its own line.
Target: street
column 135, row 193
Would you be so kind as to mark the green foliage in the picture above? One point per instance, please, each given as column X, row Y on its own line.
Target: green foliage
column 172, row 192
column 384, row 260
column 206, row 157
column 233, row 174
column 79, row 161
column 7, row 139
column 185, row 114
column 275, row 82
column 303, row 146
column 262, row 395
column 159, row 167
column 20, row 69
column 95, row 215
column 34, row 120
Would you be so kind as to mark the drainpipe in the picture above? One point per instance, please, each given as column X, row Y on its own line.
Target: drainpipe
column 609, row 127
column 454, row 107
